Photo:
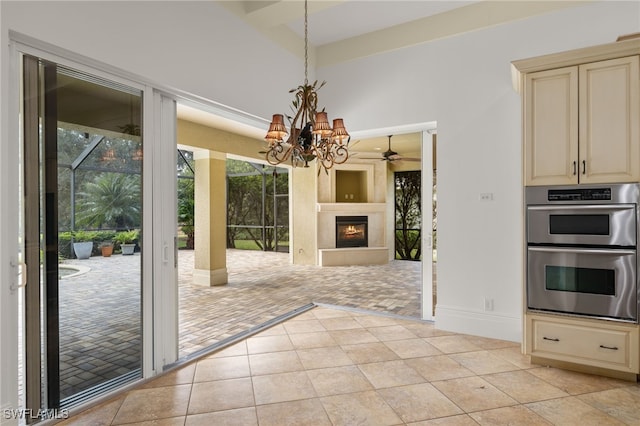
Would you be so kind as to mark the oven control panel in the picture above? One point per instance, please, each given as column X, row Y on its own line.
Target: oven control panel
column 579, row 194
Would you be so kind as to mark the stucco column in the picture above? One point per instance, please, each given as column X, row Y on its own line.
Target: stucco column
column 210, row 219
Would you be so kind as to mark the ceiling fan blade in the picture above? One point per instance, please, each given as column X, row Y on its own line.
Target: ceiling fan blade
column 410, row 159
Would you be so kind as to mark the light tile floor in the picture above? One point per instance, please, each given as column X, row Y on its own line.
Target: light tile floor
column 332, row 366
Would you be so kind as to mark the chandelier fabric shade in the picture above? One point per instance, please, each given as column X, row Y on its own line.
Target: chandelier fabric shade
column 310, row 135
column 277, row 130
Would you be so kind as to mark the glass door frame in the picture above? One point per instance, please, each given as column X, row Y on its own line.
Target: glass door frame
column 428, row 165
column 152, row 359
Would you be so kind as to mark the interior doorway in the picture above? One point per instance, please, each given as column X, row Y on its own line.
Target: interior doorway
column 264, row 285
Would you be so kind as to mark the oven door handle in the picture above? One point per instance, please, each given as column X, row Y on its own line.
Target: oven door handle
column 567, row 207
column 629, row 252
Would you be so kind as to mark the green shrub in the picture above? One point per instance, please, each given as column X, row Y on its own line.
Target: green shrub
column 83, row 236
column 127, row 237
column 65, row 250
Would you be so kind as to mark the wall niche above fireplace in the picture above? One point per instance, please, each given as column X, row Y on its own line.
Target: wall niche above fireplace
column 351, row 186
column 353, row 183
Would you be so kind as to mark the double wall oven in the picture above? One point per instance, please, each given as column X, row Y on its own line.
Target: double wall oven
column 582, row 244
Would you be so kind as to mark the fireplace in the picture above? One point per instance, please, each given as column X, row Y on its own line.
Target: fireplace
column 351, row 231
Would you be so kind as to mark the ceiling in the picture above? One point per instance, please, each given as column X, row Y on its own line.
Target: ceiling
column 341, row 30
column 338, row 20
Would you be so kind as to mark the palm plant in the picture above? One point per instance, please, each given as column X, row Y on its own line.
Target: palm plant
column 111, row 200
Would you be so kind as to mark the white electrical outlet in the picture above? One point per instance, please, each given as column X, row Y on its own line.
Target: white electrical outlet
column 486, row 196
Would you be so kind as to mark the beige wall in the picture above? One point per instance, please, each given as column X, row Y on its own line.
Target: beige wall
column 200, row 136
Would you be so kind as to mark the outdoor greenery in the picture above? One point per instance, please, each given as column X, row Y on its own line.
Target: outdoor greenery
column 126, row 237
column 98, row 238
column 110, row 201
column 408, row 215
column 85, row 158
column 248, row 211
column 100, row 199
column 186, row 197
column 244, row 208
column 99, row 178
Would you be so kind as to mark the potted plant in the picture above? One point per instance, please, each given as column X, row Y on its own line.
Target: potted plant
column 82, row 244
column 127, row 241
column 106, row 247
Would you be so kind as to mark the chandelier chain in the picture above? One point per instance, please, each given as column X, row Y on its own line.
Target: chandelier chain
column 306, row 48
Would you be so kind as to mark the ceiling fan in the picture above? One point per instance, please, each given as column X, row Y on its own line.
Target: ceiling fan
column 391, row 155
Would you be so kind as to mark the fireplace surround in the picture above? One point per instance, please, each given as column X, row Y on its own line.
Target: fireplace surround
column 352, row 231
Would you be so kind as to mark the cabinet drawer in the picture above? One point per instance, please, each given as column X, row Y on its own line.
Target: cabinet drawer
column 602, row 345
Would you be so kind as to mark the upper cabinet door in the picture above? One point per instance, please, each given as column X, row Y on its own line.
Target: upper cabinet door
column 551, row 127
column 609, row 118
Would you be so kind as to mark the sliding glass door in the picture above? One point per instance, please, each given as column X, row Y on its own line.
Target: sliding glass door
column 82, row 234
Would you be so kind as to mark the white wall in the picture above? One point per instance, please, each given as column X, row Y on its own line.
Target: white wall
column 464, row 84
column 195, row 46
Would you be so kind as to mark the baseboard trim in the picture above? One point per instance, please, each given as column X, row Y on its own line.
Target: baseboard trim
column 485, row 324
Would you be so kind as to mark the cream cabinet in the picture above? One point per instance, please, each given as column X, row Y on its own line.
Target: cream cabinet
column 582, row 123
column 606, row 345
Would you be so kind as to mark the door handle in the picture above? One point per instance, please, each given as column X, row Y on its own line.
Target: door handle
column 577, row 250
column 20, row 270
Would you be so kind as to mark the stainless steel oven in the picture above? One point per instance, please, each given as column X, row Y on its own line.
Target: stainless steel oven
column 582, row 250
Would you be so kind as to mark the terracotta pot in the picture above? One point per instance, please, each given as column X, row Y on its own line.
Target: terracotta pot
column 107, row 250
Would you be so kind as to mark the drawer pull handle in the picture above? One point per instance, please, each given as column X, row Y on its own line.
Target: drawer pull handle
column 574, row 168
column 553, row 339
column 613, row 348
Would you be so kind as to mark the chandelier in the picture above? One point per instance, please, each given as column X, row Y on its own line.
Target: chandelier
column 310, row 136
